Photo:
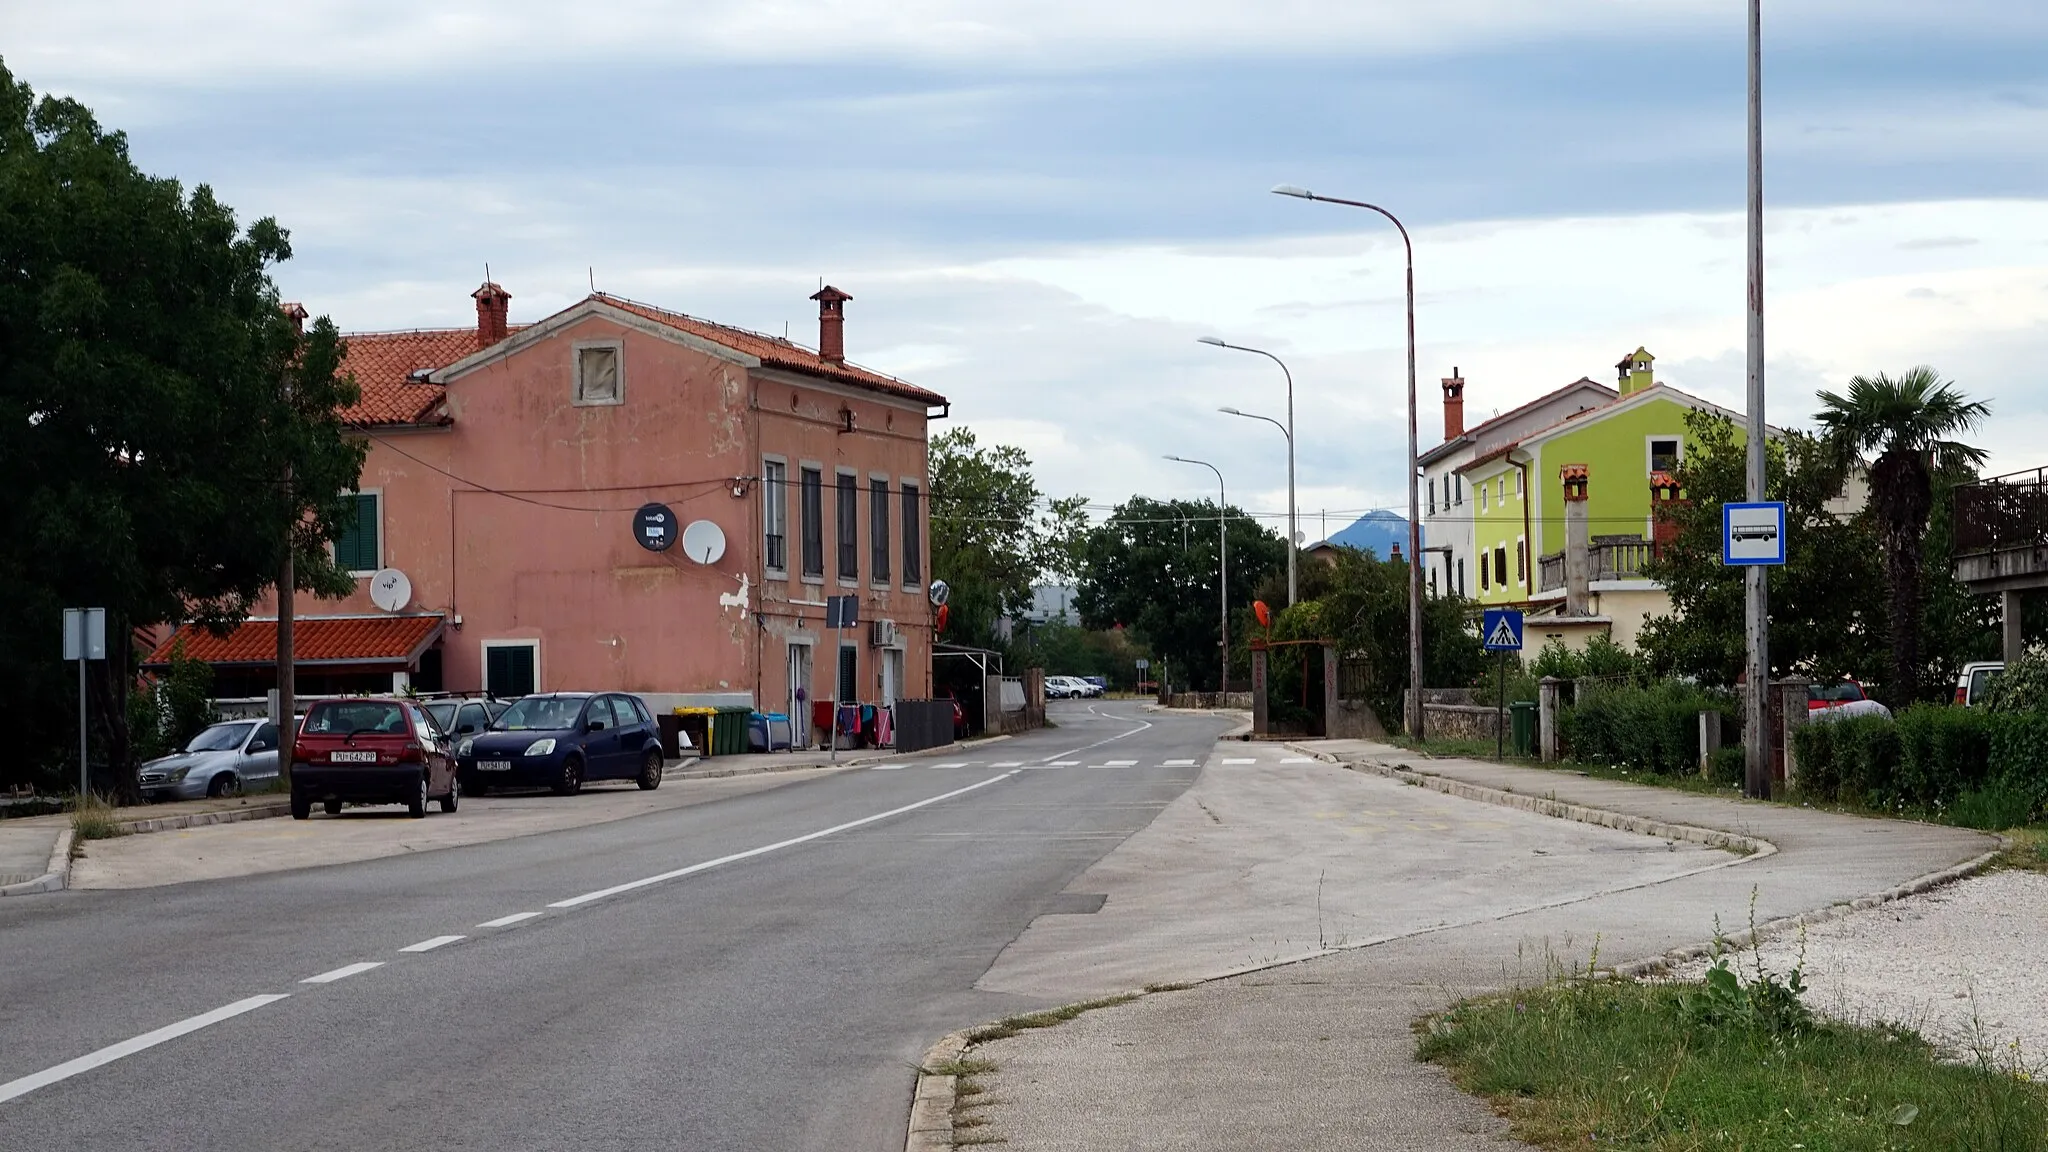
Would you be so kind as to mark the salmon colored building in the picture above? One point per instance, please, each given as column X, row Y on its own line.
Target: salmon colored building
column 508, row 469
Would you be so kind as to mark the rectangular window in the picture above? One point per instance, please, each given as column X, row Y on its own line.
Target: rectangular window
column 1461, row 575
column 1664, row 455
column 511, row 668
column 1482, row 497
column 1432, row 583
column 813, row 496
column 847, row 521
column 1500, row 489
column 1459, row 481
column 913, row 521
column 879, row 539
column 849, row 682
column 1500, row 565
column 359, row 548
column 597, row 375
column 1432, row 497
column 1518, row 485
column 1485, row 571
column 1521, row 552
column 775, row 513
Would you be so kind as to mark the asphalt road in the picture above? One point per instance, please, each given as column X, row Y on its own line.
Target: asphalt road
column 775, row 994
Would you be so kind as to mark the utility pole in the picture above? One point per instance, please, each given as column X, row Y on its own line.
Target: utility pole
column 1756, row 745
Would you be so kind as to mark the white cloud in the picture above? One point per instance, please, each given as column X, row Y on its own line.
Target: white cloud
column 226, row 42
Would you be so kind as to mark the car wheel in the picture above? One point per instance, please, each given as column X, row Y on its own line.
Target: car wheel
column 570, row 781
column 417, row 806
column 454, row 795
column 331, row 807
column 650, row 771
column 223, row 784
column 302, row 805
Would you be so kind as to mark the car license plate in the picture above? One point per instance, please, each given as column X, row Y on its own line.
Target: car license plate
column 352, row 757
column 494, row 765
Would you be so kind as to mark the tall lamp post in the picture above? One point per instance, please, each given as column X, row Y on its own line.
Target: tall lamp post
column 1223, row 577
column 1414, row 718
column 1293, row 533
column 1756, row 776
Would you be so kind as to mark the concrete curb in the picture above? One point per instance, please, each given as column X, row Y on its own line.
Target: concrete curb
column 931, row 1108
column 56, row 873
column 203, row 819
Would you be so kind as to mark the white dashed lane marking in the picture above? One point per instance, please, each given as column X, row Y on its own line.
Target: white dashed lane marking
column 430, row 945
column 147, row 1040
column 503, row 921
column 343, row 972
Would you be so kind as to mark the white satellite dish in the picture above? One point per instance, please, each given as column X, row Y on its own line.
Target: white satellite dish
column 703, row 541
column 390, row 589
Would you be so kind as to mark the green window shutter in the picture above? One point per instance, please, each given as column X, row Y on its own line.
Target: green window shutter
column 508, row 671
column 356, row 549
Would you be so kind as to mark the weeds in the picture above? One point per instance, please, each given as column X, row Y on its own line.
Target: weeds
column 1010, row 1026
column 92, row 818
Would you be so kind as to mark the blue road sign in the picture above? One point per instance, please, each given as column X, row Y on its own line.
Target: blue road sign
column 1753, row 533
column 1502, row 630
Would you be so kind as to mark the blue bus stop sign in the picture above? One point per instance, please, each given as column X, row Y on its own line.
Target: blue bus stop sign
column 1501, row 628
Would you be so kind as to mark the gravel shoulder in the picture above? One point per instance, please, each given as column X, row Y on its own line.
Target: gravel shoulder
column 1960, row 964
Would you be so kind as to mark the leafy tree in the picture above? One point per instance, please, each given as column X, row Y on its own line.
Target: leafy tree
column 1906, row 425
column 1824, row 621
column 1152, row 567
column 990, row 540
column 1361, row 603
column 165, row 713
column 1065, row 649
column 164, row 427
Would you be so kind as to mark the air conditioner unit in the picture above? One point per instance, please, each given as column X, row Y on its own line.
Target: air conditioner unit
column 883, row 634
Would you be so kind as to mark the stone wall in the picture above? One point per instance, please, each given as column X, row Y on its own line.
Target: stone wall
column 1238, row 700
column 1452, row 721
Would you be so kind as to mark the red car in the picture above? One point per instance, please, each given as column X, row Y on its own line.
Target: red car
column 371, row 750
column 1820, row 697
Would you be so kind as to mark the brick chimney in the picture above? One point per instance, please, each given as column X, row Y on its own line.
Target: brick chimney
column 1666, row 498
column 296, row 313
column 1454, row 405
column 493, row 307
column 831, row 324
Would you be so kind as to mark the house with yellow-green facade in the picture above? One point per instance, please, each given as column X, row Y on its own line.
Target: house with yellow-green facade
column 1622, row 455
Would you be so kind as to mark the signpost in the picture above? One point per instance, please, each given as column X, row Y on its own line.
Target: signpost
column 1753, row 534
column 841, row 613
column 1501, row 630
column 1144, row 666
column 85, row 638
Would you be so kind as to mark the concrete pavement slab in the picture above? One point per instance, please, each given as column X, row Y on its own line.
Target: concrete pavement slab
column 1319, row 1054
column 25, row 850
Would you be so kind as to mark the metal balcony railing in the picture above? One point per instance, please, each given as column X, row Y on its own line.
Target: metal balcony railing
column 2000, row 512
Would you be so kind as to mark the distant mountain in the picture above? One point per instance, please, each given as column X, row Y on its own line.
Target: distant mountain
column 1376, row 532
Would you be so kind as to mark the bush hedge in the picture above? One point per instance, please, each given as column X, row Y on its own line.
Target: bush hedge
column 1978, row 767
column 1652, row 729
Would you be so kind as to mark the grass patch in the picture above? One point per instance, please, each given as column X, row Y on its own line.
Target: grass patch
column 1010, row 1026
column 92, row 818
column 1467, row 748
column 1617, row 1064
column 2027, row 850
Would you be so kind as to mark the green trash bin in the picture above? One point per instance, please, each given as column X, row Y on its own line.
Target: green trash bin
column 729, row 730
column 1522, row 727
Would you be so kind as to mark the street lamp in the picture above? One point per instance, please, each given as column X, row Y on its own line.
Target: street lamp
column 1414, row 717
column 1223, row 578
column 1293, row 535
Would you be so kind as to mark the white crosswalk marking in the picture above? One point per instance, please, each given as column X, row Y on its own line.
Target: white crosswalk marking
column 1120, row 764
column 1299, row 760
column 1008, row 764
column 958, row 764
column 1178, row 764
column 1064, row 764
column 1239, row 760
column 889, row 767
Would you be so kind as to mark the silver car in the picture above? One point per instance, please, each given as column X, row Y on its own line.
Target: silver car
column 220, row 761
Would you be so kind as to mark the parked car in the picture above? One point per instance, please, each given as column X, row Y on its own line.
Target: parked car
column 1072, row 687
column 459, row 716
column 221, row 761
column 372, row 750
column 1057, row 688
column 1820, row 697
column 1975, row 680
column 563, row 739
column 959, row 715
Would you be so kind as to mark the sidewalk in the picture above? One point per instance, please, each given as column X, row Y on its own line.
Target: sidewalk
column 1320, row 1054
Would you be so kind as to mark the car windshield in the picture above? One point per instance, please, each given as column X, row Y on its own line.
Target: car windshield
column 348, row 717
column 1841, row 693
column 540, row 714
column 220, row 738
column 1981, row 681
column 443, row 712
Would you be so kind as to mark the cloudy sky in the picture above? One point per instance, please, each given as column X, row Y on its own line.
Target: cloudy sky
column 1040, row 204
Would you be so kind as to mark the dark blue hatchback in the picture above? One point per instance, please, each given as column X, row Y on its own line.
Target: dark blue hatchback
column 562, row 739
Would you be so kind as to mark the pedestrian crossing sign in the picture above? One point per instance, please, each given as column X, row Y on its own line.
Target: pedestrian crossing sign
column 1501, row 628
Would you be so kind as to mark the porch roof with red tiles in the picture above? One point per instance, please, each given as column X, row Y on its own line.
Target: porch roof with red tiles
column 388, row 640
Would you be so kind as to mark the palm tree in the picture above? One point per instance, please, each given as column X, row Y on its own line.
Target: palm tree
column 1903, row 427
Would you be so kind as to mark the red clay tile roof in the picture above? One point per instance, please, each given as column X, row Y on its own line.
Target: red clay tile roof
column 382, row 361
column 315, row 639
column 776, row 352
